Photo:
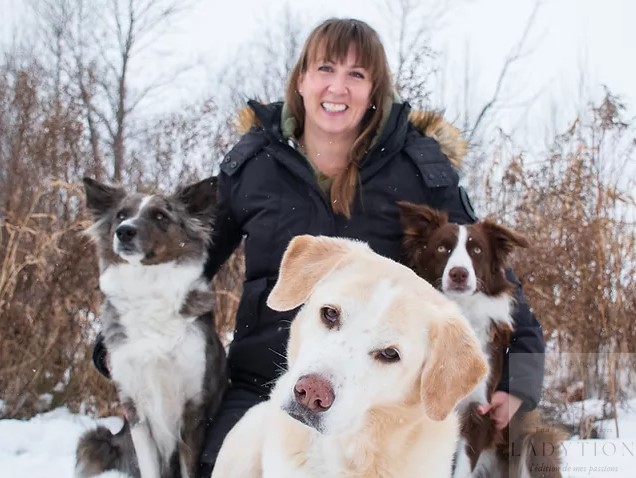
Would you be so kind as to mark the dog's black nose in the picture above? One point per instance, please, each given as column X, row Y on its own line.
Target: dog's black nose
column 458, row 275
column 126, row 232
column 314, row 392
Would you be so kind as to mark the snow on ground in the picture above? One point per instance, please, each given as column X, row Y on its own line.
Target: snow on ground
column 44, row 446
column 614, row 456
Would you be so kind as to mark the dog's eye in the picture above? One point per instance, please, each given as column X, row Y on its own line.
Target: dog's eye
column 388, row 355
column 121, row 215
column 477, row 250
column 159, row 216
column 442, row 249
column 329, row 315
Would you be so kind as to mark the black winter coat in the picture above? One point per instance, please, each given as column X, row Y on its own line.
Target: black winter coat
column 268, row 194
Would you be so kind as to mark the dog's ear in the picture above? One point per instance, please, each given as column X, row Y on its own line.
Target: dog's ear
column 502, row 242
column 454, row 367
column 420, row 220
column 418, row 223
column 199, row 198
column 305, row 262
column 100, row 197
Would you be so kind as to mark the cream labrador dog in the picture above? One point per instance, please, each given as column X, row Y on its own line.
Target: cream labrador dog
column 378, row 359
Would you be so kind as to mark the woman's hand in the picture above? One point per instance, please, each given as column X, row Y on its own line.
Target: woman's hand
column 502, row 408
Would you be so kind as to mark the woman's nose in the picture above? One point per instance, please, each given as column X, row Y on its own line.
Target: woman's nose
column 337, row 84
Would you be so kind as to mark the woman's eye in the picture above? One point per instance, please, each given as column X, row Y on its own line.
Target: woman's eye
column 389, row 355
column 326, row 68
column 329, row 315
column 357, row 74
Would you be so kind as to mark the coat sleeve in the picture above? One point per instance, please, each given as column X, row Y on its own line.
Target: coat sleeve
column 226, row 234
column 524, row 362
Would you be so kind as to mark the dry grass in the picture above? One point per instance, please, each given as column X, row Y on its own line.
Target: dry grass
column 577, row 207
column 573, row 204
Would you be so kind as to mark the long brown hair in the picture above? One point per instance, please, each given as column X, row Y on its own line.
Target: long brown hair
column 332, row 40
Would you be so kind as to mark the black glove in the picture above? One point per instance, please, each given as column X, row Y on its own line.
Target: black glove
column 100, row 354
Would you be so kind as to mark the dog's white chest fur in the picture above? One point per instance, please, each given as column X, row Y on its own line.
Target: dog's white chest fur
column 481, row 311
column 161, row 363
column 148, row 298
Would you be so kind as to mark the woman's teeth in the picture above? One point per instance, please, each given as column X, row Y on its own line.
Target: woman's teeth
column 334, row 107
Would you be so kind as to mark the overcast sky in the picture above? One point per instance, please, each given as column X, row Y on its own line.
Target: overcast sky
column 569, row 37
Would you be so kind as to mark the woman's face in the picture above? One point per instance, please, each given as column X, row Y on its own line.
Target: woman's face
column 336, row 96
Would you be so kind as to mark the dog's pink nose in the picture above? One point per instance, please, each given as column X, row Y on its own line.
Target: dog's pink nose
column 459, row 275
column 314, row 392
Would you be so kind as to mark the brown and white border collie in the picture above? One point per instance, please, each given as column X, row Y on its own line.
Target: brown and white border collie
column 466, row 262
column 163, row 353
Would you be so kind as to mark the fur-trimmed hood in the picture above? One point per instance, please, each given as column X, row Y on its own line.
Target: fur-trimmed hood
column 430, row 123
column 433, row 125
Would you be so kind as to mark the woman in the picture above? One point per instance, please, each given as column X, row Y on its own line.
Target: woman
column 333, row 160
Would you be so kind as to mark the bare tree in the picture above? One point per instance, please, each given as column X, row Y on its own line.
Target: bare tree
column 103, row 39
column 410, row 45
column 514, row 56
column 262, row 65
column 481, row 123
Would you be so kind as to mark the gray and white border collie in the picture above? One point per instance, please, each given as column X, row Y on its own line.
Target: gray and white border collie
column 466, row 262
column 163, row 352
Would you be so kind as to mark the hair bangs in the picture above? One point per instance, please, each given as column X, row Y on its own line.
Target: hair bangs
column 334, row 40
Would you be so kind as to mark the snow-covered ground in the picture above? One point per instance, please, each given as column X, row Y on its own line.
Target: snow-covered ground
column 44, row 446
column 614, row 456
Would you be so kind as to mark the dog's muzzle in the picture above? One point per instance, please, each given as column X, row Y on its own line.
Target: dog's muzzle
column 458, row 281
column 313, row 395
column 126, row 235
